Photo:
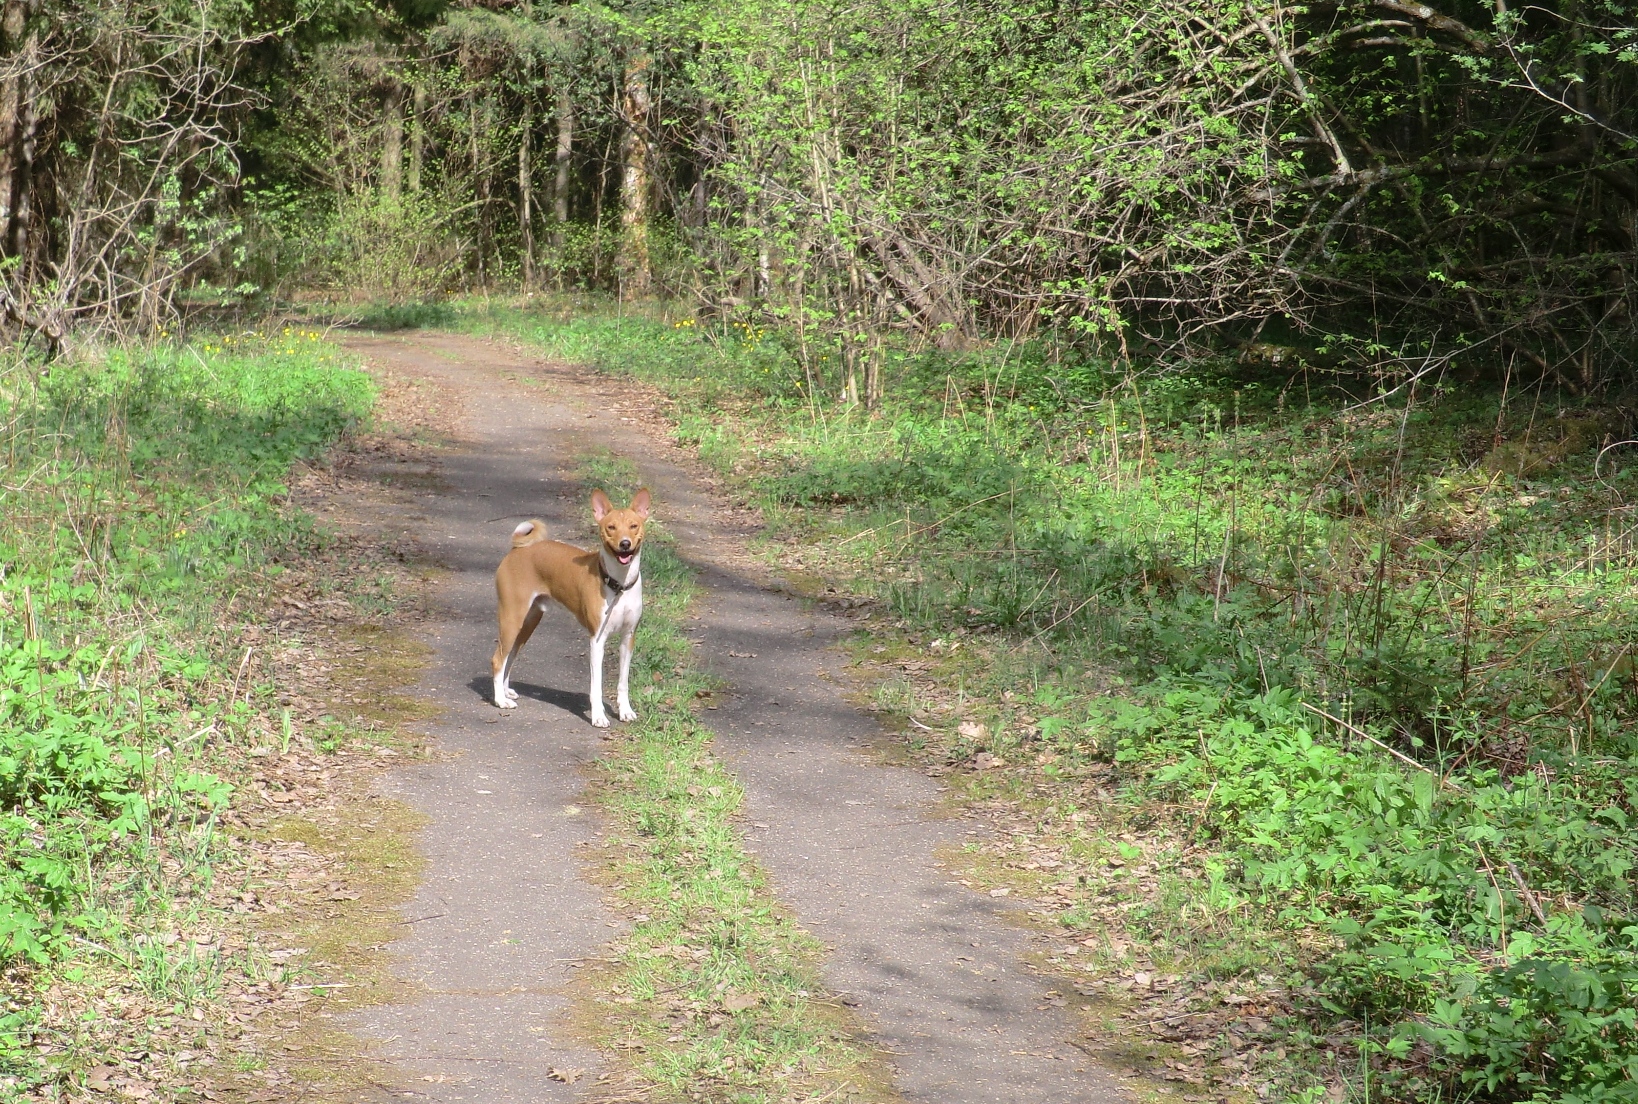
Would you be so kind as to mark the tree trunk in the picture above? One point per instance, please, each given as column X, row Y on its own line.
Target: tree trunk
column 22, row 178
column 18, row 126
column 697, row 204
column 873, row 372
column 764, row 253
column 392, row 143
column 13, row 18
column 526, row 192
column 478, row 119
column 486, row 182
column 636, row 275
column 418, row 131
column 599, row 193
column 565, row 147
column 858, row 343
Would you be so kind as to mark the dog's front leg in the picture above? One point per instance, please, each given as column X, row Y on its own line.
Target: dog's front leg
column 627, row 713
column 599, row 716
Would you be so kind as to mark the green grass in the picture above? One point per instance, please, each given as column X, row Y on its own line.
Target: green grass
column 1166, row 579
column 140, row 492
column 716, row 984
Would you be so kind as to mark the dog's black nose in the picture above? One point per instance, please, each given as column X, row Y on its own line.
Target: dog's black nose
column 625, row 543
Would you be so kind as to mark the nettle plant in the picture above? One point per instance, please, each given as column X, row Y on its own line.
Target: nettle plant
column 99, row 768
column 1436, row 888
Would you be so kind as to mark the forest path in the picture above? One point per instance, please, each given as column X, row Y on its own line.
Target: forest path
column 505, row 913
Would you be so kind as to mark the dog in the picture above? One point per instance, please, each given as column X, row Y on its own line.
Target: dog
column 603, row 589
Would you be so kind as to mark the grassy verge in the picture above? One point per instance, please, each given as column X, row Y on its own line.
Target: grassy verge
column 147, row 725
column 716, row 987
column 1314, row 710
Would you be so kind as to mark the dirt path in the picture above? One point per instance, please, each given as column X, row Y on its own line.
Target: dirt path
column 505, row 914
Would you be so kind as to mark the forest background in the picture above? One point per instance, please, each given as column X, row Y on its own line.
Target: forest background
column 1274, row 361
column 1402, row 185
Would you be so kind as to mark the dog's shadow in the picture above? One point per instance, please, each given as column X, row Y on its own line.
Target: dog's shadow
column 566, row 700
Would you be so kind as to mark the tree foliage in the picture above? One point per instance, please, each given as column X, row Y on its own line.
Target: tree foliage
column 1369, row 182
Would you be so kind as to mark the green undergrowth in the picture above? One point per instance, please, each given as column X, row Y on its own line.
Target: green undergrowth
column 141, row 490
column 1365, row 653
column 716, row 985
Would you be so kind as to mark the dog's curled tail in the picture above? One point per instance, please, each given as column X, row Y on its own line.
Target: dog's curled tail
column 528, row 533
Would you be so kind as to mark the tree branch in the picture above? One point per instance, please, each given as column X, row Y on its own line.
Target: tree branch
column 1477, row 41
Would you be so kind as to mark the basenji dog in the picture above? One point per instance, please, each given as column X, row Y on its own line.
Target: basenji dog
column 603, row 589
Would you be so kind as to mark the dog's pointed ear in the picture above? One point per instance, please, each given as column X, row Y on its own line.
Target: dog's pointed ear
column 600, row 504
column 640, row 502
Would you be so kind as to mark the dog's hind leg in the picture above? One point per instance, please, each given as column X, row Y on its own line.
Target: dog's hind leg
column 506, row 651
column 627, row 713
column 528, row 630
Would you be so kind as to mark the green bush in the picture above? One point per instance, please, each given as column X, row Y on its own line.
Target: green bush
column 367, row 245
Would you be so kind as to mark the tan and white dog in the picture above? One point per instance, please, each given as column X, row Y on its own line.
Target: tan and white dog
column 603, row 589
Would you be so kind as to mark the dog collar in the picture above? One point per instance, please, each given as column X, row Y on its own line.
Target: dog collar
column 608, row 580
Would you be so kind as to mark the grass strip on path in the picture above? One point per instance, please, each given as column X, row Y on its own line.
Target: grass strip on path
column 716, row 986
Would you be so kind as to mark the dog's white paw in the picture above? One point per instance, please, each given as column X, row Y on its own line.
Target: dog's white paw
column 600, row 720
column 508, row 701
column 627, row 713
column 511, row 695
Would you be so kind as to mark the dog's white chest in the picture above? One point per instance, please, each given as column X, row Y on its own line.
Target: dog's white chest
column 621, row 615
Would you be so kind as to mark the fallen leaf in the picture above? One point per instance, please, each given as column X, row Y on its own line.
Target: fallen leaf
column 739, row 1002
column 972, row 730
column 566, row 1076
column 1000, row 892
